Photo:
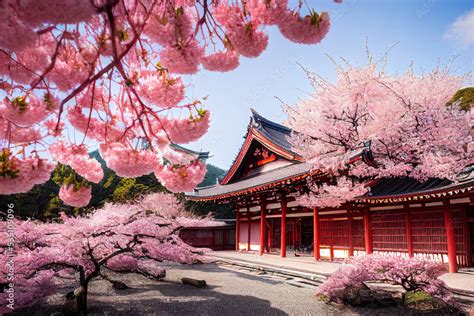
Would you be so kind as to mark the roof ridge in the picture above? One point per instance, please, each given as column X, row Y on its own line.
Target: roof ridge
column 201, row 154
column 257, row 118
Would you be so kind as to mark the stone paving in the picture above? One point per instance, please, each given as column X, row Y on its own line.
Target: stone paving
column 462, row 282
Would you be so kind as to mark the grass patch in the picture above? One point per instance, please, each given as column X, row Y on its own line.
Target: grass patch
column 417, row 297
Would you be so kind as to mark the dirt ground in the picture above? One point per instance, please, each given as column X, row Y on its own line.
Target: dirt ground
column 229, row 291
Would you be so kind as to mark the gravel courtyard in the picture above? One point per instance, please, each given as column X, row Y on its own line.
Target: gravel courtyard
column 229, row 292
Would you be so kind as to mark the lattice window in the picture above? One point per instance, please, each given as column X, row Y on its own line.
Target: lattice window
column 389, row 231
column 428, row 232
column 358, row 233
column 334, row 232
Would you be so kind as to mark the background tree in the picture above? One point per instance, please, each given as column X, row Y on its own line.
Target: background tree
column 402, row 119
column 124, row 238
column 42, row 202
column 464, row 98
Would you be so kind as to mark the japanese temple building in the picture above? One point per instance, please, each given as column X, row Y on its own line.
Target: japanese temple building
column 434, row 218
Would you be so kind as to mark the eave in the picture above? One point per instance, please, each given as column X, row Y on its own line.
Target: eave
column 256, row 188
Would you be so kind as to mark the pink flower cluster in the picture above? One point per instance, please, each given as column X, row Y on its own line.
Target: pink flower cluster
column 31, row 171
column 221, row 61
column 93, row 127
column 162, row 91
column 26, row 112
column 245, row 37
column 182, row 178
column 168, row 28
column 183, row 131
column 77, row 157
column 331, row 195
column 129, row 163
column 69, row 69
column 75, row 197
column 310, row 29
column 182, row 59
column 18, row 135
column 267, row 11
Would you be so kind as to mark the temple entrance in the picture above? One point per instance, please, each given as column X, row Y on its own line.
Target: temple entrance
column 470, row 232
column 471, row 242
column 299, row 235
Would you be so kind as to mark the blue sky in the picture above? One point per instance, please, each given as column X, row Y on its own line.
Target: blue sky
column 423, row 30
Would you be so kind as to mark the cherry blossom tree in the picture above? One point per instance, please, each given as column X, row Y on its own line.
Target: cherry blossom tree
column 412, row 274
column 109, row 73
column 400, row 125
column 124, row 238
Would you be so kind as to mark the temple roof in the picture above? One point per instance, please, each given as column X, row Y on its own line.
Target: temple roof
column 262, row 181
column 201, row 155
column 273, row 136
column 276, row 133
column 404, row 187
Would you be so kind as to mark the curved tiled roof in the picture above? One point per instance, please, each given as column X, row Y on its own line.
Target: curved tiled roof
column 261, row 180
column 276, row 133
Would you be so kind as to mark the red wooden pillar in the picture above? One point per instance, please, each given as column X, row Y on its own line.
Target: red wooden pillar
column 316, row 241
column 262, row 227
column 450, row 240
column 237, row 230
column 408, row 232
column 367, row 233
column 283, row 227
column 351, row 241
column 249, row 235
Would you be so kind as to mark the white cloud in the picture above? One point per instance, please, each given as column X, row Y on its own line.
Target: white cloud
column 462, row 30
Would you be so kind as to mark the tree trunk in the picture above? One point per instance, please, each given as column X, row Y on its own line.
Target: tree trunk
column 81, row 294
column 81, row 300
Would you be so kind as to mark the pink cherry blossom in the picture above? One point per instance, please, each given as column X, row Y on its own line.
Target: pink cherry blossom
column 128, row 163
column 221, row 61
column 31, row 171
column 77, row 157
column 267, row 11
column 50, row 11
column 183, row 131
column 411, row 130
column 182, row 59
column 310, row 29
column 168, row 28
column 412, row 274
column 69, row 69
column 26, row 111
column 182, row 178
column 244, row 36
column 164, row 92
column 93, row 128
column 75, row 197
